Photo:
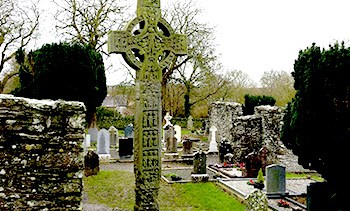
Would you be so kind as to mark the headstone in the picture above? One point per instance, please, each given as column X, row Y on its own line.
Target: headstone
column 224, row 148
column 149, row 45
column 86, row 143
column 275, row 179
column 199, row 173
column 263, row 153
column 113, row 136
column 103, row 142
column 91, row 163
column 177, row 135
column 129, row 131
column 213, row 146
column 126, row 146
column 252, row 165
column 187, row 146
column 171, row 143
column 190, row 123
column 256, row 200
column 319, row 197
column 93, row 134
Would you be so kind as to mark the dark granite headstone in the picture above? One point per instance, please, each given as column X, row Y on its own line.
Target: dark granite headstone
column 200, row 163
column 126, row 146
column 224, row 148
column 91, row 163
column 252, row 165
column 319, row 197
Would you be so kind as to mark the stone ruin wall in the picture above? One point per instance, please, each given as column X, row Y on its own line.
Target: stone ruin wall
column 247, row 133
column 221, row 115
column 41, row 154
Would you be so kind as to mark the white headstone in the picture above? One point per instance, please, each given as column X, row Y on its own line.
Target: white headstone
column 103, row 142
column 213, row 146
column 93, row 134
column 86, row 143
column 177, row 135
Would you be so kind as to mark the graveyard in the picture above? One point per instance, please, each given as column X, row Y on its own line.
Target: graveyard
column 189, row 159
column 228, row 156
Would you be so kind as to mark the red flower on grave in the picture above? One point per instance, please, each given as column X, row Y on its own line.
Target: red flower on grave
column 250, row 182
column 283, row 203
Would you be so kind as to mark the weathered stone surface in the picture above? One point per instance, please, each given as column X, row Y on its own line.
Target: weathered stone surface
column 149, row 45
column 41, row 156
column 256, row 200
column 248, row 134
column 91, row 163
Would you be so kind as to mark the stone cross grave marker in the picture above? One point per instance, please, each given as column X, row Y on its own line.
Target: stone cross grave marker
column 149, row 45
column 213, row 146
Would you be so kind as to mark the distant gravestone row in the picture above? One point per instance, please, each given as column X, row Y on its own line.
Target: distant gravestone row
column 108, row 139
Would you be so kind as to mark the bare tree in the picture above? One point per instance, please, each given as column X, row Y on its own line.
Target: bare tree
column 237, row 85
column 89, row 21
column 19, row 21
column 278, row 84
column 200, row 62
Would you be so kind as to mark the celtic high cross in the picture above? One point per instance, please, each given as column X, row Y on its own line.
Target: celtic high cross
column 149, row 45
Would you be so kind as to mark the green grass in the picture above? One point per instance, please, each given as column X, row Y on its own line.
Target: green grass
column 313, row 176
column 115, row 189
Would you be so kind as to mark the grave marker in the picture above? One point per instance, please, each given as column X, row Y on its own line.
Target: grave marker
column 103, row 145
column 113, row 136
column 199, row 173
column 213, row 146
column 129, row 131
column 149, row 45
column 177, row 135
column 93, row 134
column 275, row 179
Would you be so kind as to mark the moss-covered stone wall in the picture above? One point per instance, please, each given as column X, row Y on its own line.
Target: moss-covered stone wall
column 41, row 154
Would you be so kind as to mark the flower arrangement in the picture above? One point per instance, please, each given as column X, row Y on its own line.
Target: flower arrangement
column 240, row 166
column 250, row 182
column 283, row 203
column 259, row 183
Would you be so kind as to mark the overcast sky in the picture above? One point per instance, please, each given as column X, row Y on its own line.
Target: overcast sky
column 256, row 36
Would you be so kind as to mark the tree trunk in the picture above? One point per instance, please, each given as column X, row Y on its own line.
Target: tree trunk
column 187, row 105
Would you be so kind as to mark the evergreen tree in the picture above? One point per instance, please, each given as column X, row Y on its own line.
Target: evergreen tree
column 317, row 124
column 67, row 71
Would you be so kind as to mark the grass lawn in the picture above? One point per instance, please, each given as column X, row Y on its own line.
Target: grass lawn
column 313, row 176
column 115, row 189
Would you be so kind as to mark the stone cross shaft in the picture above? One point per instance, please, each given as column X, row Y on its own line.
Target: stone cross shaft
column 149, row 45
